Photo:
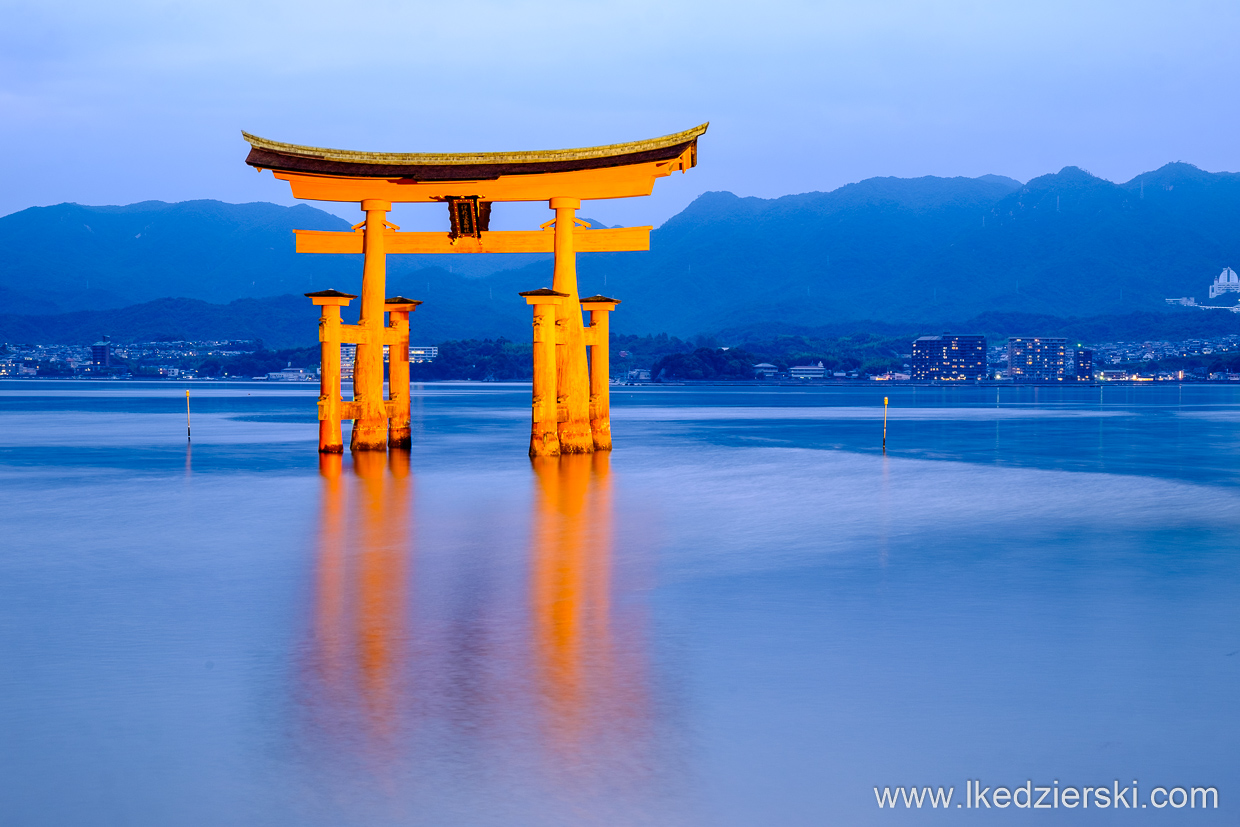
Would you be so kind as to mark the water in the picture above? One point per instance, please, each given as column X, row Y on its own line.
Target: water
column 747, row 615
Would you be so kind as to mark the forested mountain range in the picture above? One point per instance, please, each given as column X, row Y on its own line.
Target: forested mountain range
column 928, row 249
column 916, row 251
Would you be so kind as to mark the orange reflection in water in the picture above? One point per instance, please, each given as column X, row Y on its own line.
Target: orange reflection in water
column 591, row 684
column 571, row 673
column 361, row 612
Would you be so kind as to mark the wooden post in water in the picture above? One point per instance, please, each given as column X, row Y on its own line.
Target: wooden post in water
column 572, row 373
column 370, row 424
column 399, row 309
column 330, row 335
column 598, row 337
column 189, row 436
column 544, row 436
column 884, row 424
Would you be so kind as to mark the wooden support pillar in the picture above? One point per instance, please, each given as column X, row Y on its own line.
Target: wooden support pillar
column 399, row 309
column 330, row 403
column 598, row 337
column 572, row 374
column 544, row 437
column 370, row 426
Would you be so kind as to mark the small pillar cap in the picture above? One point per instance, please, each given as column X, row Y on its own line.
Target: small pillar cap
column 543, row 295
column 401, row 303
column 599, row 303
column 330, row 297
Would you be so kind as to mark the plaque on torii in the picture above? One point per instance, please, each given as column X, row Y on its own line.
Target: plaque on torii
column 571, row 405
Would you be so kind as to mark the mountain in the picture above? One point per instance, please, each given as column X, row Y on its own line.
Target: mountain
column 803, row 259
column 280, row 321
column 72, row 257
column 1066, row 244
column 886, row 249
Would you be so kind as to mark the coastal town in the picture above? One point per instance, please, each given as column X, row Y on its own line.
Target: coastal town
column 945, row 358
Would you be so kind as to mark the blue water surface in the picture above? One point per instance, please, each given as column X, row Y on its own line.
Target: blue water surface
column 747, row 614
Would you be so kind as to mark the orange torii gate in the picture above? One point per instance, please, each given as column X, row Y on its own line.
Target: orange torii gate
column 571, row 408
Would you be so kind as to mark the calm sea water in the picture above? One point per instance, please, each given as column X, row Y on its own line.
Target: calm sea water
column 746, row 615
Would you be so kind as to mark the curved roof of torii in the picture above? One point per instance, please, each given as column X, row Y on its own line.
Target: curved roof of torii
column 465, row 166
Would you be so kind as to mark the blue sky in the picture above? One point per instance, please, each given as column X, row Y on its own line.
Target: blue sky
column 127, row 101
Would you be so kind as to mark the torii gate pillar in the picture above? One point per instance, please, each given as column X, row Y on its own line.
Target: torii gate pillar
column 370, row 429
column 598, row 337
column 572, row 373
column 544, row 425
column 330, row 403
column 399, row 434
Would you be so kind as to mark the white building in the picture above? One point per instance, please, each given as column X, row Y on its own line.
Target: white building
column 765, row 369
column 808, row 371
column 423, row 353
column 1227, row 282
column 291, row 374
column 348, row 355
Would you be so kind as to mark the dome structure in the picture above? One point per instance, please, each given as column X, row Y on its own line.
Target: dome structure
column 1227, row 282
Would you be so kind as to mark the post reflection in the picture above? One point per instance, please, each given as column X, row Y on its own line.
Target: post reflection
column 543, row 684
column 361, row 613
column 589, row 682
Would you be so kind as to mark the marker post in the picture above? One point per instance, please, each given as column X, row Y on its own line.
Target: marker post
column 884, row 422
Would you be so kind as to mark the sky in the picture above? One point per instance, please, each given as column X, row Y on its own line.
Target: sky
column 114, row 103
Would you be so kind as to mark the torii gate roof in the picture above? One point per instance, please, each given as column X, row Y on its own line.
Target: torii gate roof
column 470, row 166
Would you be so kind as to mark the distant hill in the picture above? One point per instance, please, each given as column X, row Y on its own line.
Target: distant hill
column 1067, row 244
column 291, row 321
column 891, row 250
column 73, row 257
column 280, row 321
column 1138, row 326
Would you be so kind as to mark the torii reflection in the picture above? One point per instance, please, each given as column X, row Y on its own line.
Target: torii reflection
column 361, row 611
column 590, row 668
column 545, row 679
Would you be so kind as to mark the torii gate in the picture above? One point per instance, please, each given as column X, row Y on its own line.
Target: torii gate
column 571, row 404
